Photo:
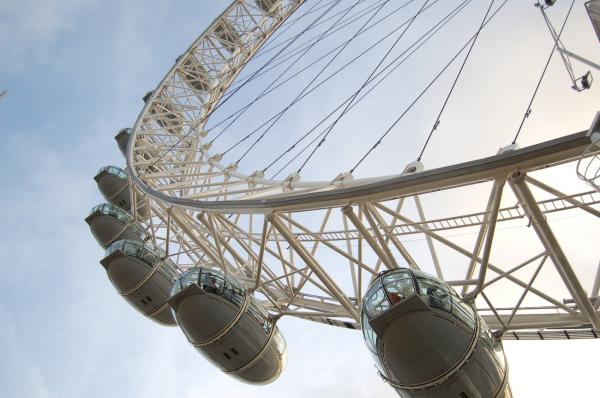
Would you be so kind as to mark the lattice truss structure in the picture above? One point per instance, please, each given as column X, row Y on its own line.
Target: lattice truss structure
column 310, row 249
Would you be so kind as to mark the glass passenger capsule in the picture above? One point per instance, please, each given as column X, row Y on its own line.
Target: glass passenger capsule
column 110, row 223
column 122, row 139
column 113, row 183
column 228, row 325
column 427, row 342
column 142, row 277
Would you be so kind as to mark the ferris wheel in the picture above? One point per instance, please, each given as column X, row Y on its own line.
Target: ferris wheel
column 215, row 227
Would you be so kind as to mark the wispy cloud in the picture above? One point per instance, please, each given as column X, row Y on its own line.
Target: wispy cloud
column 31, row 28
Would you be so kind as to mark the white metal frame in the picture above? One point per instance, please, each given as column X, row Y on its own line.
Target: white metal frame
column 310, row 249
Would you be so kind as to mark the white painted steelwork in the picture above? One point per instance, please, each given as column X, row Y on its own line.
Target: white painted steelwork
column 310, row 248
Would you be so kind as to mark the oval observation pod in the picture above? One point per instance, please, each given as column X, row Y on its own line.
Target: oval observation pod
column 113, row 183
column 122, row 139
column 228, row 326
column 427, row 342
column 110, row 223
column 142, row 277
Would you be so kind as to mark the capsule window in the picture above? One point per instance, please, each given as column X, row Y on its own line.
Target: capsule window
column 279, row 342
column 260, row 315
column 368, row 333
column 233, row 293
column 377, row 301
column 464, row 312
column 212, row 283
column 235, row 352
column 398, row 285
column 227, row 355
column 435, row 294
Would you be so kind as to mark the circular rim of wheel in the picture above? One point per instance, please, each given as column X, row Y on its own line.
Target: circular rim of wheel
column 289, row 193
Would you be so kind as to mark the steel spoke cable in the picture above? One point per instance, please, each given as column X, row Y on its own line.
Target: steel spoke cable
column 286, row 56
column 394, row 64
column 292, row 52
column 312, row 81
column 309, row 66
column 437, row 120
column 359, row 100
column 378, row 142
column 268, row 88
column 313, row 9
column 360, row 55
column 314, row 88
column 348, row 20
column 539, row 83
column 297, row 155
column 365, row 83
column 290, row 23
column 273, row 58
column 271, row 46
column 294, row 20
column 565, row 57
column 223, row 101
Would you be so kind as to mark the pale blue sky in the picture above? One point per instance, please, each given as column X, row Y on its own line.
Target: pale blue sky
column 75, row 71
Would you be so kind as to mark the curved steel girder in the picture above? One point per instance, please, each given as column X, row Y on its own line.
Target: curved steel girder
column 530, row 158
column 308, row 195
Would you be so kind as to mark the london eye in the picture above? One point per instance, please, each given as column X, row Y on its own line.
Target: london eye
column 365, row 164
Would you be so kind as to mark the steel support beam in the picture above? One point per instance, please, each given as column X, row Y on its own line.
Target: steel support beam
column 331, row 246
column 394, row 239
column 518, row 305
column 277, row 255
column 168, row 238
column 579, row 58
column 261, row 253
column 377, row 231
column 314, row 266
column 465, row 252
column 349, row 212
column 434, row 257
column 561, row 195
column 535, row 321
column 220, row 241
column 183, row 222
column 596, row 287
column 489, row 238
column 479, row 242
column 530, row 158
column 543, row 230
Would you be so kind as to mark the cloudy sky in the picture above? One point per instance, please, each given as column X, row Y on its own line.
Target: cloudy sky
column 75, row 72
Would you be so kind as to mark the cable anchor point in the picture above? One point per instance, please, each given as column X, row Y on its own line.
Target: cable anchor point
column 413, row 167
